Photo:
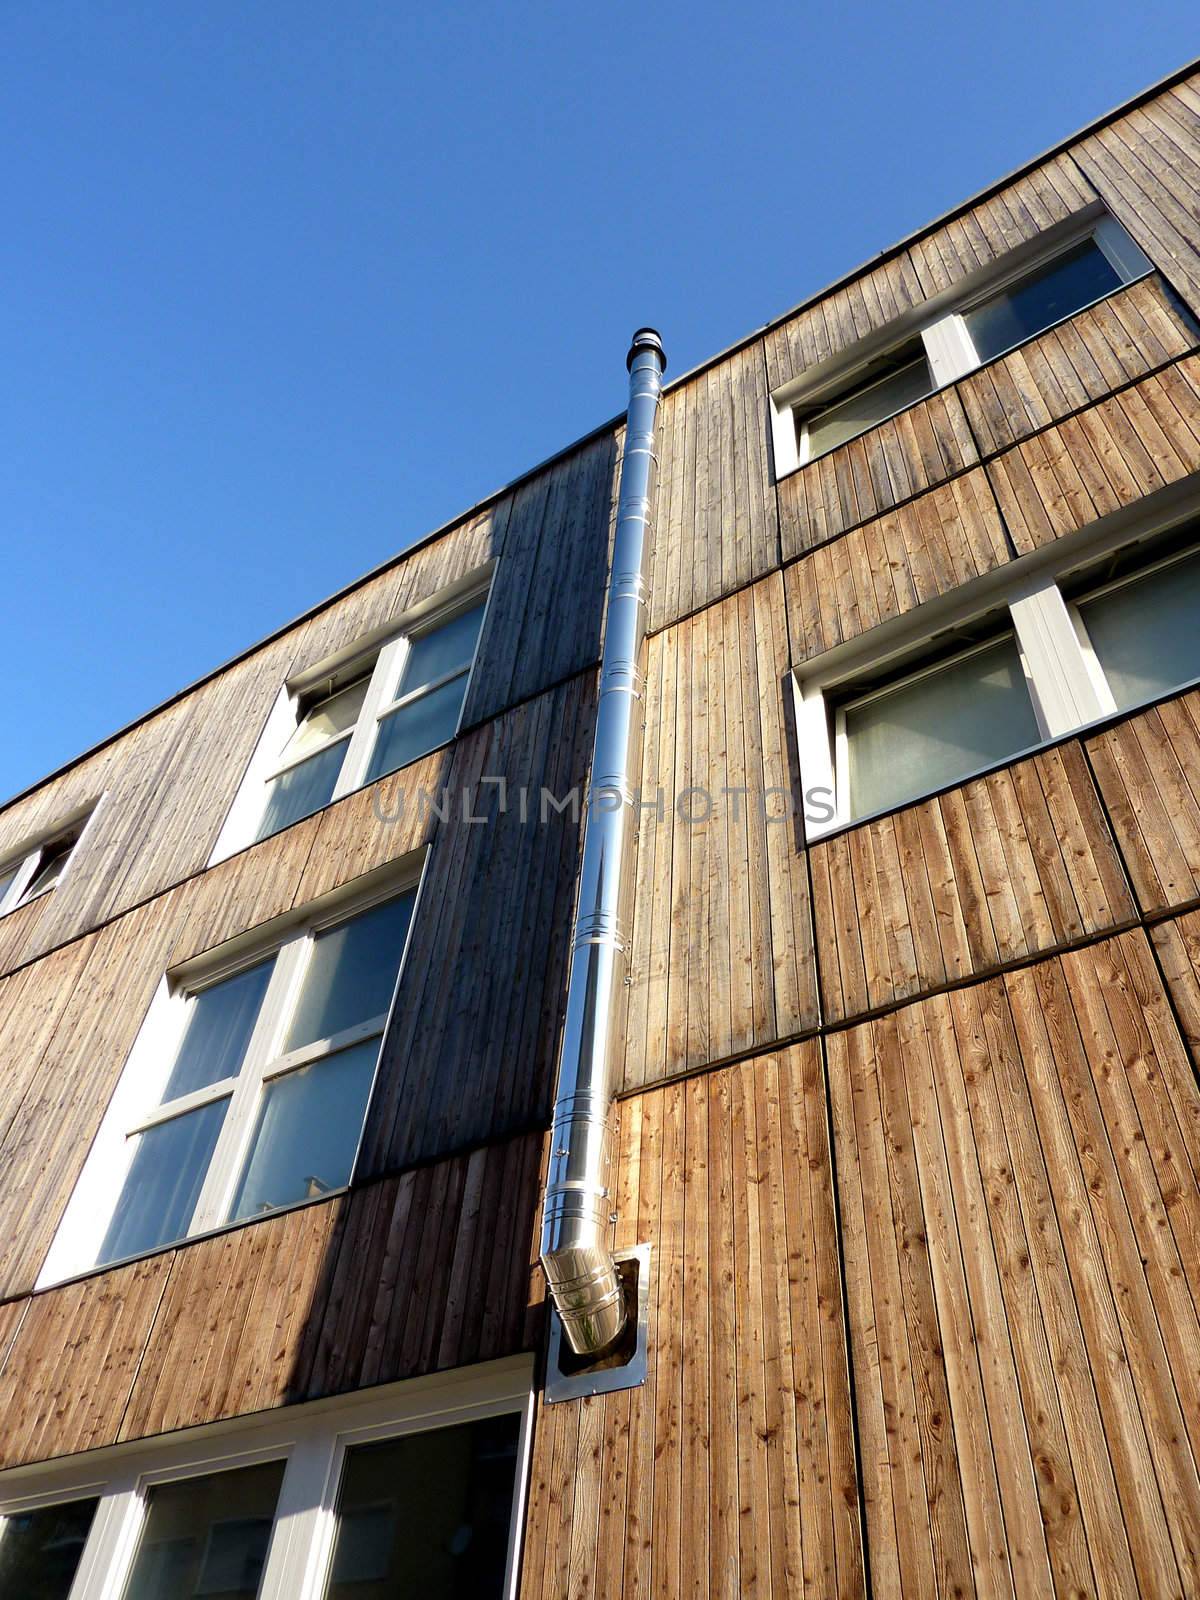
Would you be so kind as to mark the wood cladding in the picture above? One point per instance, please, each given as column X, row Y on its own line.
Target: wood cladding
column 1104, row 458
column 894, row 563
column 938, row 260
column 714, row 521
column 1148, row 770
column 1145, row 167
column 721, row 957
column 731, row 1471
column 1017, row 1170
column 989, row 874
column 407, row 1276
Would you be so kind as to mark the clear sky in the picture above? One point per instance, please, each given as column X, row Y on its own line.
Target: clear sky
column 286, row 284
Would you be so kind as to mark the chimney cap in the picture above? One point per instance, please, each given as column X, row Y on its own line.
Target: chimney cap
column 647, row 339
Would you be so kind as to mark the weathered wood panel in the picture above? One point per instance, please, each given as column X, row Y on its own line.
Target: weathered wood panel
column 923, row 446
column 68, row 1374
column 1145, row 166
column 1104, row 458
column 1015, row 863
column 896, row 562
column 721, row 956
column 714, row 519
column 940, row 259
column 473, row 1046
column 731, row 1472
column 1020, row 1207
column 407, row 1276
column 1105, row 347
column 1148, row 770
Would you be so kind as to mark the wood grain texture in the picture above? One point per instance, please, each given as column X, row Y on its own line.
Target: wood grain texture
column 714, row 518
column 1145, row 166
column 731, row 1471
column 408, row 1276
column 721, row 957
column 1106, row 457
column 1019, row 1206
column 987, row 875
column 903, row 456
column 940, row 259
column 1148, row 770
column 894, row 563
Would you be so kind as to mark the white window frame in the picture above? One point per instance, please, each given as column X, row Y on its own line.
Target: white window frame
column 1066, row 681
column 949, row 348
column 312, row 1441
column 384, row 659
column 29, row 860
column 134, row 1107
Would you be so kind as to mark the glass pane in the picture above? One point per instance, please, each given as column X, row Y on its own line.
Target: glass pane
column 923, row 734
column 207, row 1536
column 847, row 418
column 325, row 718
column 50, row 868
column 1147, row 634
column 6, row 879
column 434, row 654
column 40, row 1550
column 308, row 1131
column 301, row 790
column 220, row 1022
column 417, row 728
column 351, row 972
column 427, row 1514
column 1065, row 286
column 164, row 1182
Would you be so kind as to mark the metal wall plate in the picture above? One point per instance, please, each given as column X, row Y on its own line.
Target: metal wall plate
column 601, row 1379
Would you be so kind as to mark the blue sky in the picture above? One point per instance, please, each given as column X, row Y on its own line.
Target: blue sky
column 286, row 285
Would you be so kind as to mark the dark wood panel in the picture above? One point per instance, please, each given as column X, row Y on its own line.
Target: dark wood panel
column 714, row 524
column 1080, row 361
column 1013, row 864
column 731, row 1471
column 472, row 1051
column 1019, row 1210
column 721, row 958
column 889, row 566
column 1145, row 166
column 909, row 453
column 1148, row 769
column 1102, row 459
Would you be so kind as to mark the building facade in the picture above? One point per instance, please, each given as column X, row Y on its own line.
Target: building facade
column 906, row 1119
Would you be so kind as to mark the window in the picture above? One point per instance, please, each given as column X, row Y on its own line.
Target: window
column 39, row 868
column 410, row 1489
column 1145, row 629
column 40, row 1549
column 246, row 1090
column 819, row 412
column 356, row 721
column 1067, row 647
column 932, row 727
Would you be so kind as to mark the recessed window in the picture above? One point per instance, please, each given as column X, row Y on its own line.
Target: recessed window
column 1145, row 629
column 817, row 413
column 207, row 1536
column 40, row 1550
column 403, row 1489
column 39, row 868
column 933, row 726
column 885, row 388
column 330, row 734
column 245, row 1091
column 1075, row 279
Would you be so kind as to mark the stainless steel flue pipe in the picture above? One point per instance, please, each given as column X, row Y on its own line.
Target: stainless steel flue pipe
column 579, row 1266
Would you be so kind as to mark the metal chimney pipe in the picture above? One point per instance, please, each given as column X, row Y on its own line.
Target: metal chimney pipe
column 579, row 1266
